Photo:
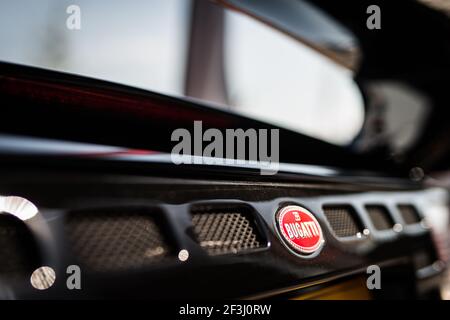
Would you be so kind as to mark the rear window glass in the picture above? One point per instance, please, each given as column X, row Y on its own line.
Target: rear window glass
column 145, row 43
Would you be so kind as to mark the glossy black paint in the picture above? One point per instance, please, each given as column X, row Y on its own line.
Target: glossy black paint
column 68, row 107
column 89, row 184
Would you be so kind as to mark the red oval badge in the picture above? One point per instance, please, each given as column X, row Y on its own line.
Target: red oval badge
column 300, row 229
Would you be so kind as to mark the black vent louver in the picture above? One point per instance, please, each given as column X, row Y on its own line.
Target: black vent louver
column 409, row 213
column 116, row 239
column 380, row 217
column 221, row 230
column 343, row 220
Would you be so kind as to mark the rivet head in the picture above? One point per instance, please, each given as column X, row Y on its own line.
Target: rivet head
column 43, row 278
column 183, row 255
column 397, row 227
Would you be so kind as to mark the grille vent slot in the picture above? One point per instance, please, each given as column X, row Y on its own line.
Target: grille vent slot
column 19, row 254
column 116, row 239
column 409, row 213
column 380, row 217
column 225, row 230
column 343, row 220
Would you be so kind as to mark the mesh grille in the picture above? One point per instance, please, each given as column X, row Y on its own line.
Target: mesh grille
column 380, row 217
column 225, row 232
column 115, row 240
column 343, row 220
column 18, row 251
column 409, row 214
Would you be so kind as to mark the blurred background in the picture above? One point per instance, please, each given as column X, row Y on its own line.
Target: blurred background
column 240, row 64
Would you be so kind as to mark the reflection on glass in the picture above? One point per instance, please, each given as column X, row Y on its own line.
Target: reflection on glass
column 269, row 75
column 277, row 79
